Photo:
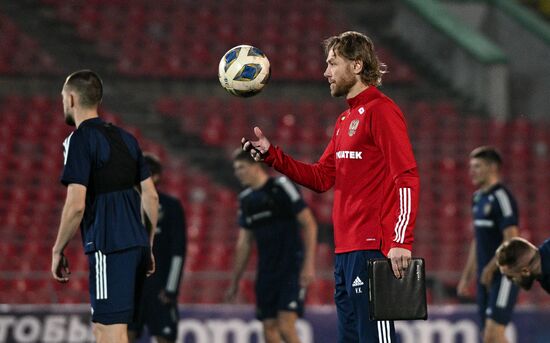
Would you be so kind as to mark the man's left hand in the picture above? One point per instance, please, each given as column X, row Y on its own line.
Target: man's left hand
column 400, row 259
column 151, row 267
column 60, row 267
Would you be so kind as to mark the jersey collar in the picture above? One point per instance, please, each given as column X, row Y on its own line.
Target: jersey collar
column 492, row 188
column 364, row 97
column 91, row 121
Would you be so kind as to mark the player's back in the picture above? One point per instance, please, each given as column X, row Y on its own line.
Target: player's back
column 493, row 211
column 108, row 161
column 271, row 213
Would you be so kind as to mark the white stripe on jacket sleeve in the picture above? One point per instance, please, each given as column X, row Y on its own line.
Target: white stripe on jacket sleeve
column 404, row 214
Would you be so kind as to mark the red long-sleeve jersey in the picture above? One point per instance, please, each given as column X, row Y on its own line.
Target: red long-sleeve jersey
column 370, row 163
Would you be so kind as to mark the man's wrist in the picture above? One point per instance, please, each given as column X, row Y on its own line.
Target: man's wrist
column 270, row 155
column 402, row 246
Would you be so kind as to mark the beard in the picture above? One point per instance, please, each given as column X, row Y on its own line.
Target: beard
column 526, row 282
column 69, row 119
column 342, row 88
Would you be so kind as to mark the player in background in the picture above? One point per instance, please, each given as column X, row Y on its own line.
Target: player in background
column 159, row 306
column 370, row 163
column 271, row 213
column 495, row 220
column 523, row 263
column 103, row 166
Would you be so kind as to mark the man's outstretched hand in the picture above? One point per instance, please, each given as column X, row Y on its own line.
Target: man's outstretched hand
column 258, row 148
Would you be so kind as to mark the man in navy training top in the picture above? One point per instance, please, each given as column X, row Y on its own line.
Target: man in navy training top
column 523, row 263
column 108, row 186
column 370, row 163
column 159, row 307
column 271, row 213
column 495, row 219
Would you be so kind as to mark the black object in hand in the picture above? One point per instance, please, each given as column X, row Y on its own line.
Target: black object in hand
column 250, row 147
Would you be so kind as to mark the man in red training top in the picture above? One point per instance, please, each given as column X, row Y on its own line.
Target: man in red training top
column 370, row 163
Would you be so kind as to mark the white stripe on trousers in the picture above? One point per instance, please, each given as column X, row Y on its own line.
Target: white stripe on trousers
column 100, row 275
column 384, row 334
column 105, row 275
column 97, row 290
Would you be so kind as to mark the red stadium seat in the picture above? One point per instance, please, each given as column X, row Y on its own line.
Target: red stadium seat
column 283, row 40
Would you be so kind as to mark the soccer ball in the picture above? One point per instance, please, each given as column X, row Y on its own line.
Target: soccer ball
column 244, row 71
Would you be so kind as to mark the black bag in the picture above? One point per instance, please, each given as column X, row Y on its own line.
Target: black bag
column 391, row 298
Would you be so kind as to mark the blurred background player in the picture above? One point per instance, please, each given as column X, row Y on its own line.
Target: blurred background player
column 159, row 306
column 271, row 212
column 523, row 263
column 103, row 165
column 495, row 220
column 370, row 162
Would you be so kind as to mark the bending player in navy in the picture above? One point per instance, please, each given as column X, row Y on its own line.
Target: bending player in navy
column 495, row 216
column 159, row 307
column 271, row 213
column 103, row 171
column 370, row 163
column 523, row 263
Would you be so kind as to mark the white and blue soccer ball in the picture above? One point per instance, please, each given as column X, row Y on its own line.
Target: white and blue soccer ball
column 244, row 70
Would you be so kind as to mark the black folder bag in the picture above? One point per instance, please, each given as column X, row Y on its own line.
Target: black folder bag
column 397, row 299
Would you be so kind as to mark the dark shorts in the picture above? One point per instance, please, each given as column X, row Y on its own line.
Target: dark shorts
column 352, row 300
column 116, row 282
column 498, row 302
column 273, row 296
column 160, row 319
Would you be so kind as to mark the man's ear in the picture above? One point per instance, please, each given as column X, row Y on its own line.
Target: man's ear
column 72, row 100
column 493, row 167
column 357, row 66
column 525, row 271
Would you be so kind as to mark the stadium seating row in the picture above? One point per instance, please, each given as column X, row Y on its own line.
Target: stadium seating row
column 180, row 39
column 441, row 138
column 20, row 54
column 177, row 39
column 31, row 200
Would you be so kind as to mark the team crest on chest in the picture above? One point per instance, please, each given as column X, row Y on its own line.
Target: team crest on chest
column 353, row 127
